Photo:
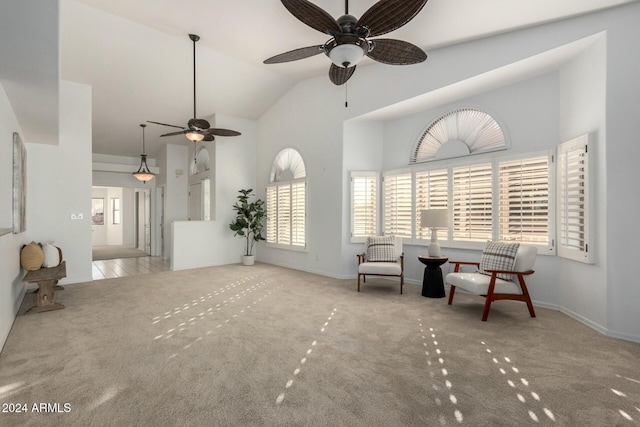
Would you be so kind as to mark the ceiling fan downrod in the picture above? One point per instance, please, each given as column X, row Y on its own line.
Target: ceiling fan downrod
column 194, row 38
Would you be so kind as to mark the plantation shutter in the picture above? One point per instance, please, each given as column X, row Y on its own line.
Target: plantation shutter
column 284, row 214
column 397, row 205
column 272, row 214
column 432, row 190
column 472, row 203
column 524, row 200
column 573, row 199
column 364, row 204
column 298, row 213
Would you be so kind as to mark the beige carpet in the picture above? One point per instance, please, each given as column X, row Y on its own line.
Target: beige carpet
column 264, row 345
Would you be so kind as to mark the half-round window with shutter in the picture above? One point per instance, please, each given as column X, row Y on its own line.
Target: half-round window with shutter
column 459, row 133
column 287, row 165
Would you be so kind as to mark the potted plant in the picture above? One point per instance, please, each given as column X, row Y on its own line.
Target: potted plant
column 249, row 223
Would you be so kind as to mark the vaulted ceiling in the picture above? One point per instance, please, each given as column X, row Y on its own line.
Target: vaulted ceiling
column 137, row 56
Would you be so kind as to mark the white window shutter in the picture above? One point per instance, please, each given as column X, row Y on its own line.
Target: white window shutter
column 472, row 203
column 524, row 200
column 272, row 214
column 284, row 214
column 432, row 192
column 298, row 213
column 398, row 205
column 573, row 200
column 364, row 205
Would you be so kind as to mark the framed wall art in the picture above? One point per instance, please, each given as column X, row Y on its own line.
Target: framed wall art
column 19, row 185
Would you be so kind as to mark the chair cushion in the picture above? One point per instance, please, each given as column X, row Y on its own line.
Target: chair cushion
column 380, row 249
column 498, row 256
column 387, row 268
column 478, row 284
column 31, row 257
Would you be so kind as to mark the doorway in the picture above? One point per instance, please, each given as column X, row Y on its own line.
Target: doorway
column 121, row 222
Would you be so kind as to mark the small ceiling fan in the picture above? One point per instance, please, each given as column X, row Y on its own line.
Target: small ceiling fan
column 350, row 41
column 197, row 129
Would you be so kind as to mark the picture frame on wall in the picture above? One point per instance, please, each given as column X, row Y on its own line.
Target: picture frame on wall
column 19, row 185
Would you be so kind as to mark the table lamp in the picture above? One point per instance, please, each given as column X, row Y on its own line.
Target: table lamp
column 434, row 219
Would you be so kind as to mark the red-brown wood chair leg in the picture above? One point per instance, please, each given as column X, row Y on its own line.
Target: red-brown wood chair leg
column 487, row 307
column 451, row 292
column 401, row 283
column 489, row 297
column 358, row 282
column 525, row 292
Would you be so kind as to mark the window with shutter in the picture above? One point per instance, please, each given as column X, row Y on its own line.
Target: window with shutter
column 432, row 192
column 398, row 205
column 286, row 202
column 573, row 200
column 472, row 203
column 364, row 205
column 272, row 214
column 524, row 200
column 298, row 213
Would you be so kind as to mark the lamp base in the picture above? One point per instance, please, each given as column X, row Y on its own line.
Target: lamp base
column 434, row 249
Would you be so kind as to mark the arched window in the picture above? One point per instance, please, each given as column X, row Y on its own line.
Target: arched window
column 459, row 133
column 286, row 201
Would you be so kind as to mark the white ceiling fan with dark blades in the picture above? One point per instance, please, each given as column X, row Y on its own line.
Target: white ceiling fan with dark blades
column 197, row 129
column 350, row 37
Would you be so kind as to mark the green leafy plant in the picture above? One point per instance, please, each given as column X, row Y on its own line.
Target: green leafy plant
column 249, row 222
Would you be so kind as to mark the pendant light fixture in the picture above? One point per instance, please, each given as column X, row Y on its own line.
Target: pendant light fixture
column 143, row 174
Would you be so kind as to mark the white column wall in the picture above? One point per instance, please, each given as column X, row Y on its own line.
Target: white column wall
column 59, row 184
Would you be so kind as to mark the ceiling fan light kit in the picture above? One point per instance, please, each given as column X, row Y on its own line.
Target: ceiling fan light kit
column 143, row 174
column 349, row 43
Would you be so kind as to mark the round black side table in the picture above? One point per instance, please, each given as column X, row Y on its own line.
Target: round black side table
column 432, row 283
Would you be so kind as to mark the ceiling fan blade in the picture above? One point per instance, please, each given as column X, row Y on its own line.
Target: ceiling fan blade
column 175, row 133
column 340, row 75
column 388, row 15
column 294, row 55
column 164, row 124
column 208, row 137
column 199, row 124
column 222, row 132
column 313, row 16
column 396, row 52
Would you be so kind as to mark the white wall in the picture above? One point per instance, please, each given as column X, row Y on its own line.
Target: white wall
column 309, row 118
column 176, row 198
column 11, row 287
column 623, row 174
column 59, row 184
column 583, row 290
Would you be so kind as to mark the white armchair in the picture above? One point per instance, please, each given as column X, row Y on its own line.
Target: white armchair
column 383, row 256
column 497, row 282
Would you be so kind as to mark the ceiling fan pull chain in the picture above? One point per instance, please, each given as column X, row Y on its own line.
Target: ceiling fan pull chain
column 346, row 96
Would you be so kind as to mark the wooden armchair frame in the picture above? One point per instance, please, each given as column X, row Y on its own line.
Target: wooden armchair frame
column 491, row 296
column 361, row 259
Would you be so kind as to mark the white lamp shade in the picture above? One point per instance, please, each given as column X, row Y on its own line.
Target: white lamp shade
column 346, row 55
column 434, row 218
